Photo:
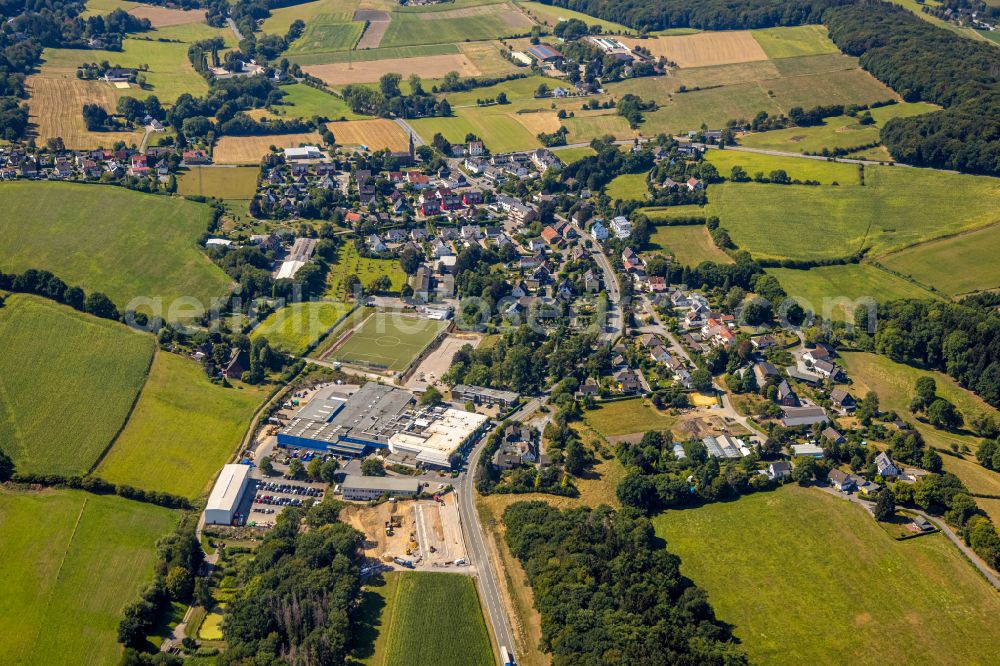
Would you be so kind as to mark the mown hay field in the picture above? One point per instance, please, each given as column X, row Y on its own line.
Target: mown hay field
column 163, row 17
column 551, row 15
column 432, row 66
column 72, row 560
column 450, row 26
column 703, row 49
column 955, row 265
column 625, row 417
column 223, row 183
column 689, row 244
column 795, row 41
column 849, row 577
column 374, row 134
column 124, row 243
column 183, row 429
column 250, row 149
column 55, row 108
column 67, row 382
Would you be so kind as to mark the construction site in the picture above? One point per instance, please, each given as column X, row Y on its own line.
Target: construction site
column 418, row 534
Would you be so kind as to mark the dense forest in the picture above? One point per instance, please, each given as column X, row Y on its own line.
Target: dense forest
column 609, row 593
column 917, row 59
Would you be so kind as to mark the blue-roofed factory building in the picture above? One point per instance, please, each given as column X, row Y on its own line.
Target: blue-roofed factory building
column 545, row 53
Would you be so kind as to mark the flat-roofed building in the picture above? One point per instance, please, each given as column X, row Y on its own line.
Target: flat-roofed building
column 372, row 487
column 433, row 440
column 485, row 396
column 224, row 502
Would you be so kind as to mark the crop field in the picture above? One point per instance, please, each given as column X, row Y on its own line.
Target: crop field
column 896, row 208
column 570, row 155
column 381, row 53
column 517, row 90
column 250, row 149
column 388, row 340
column 551, row 15
column 432, row 66
column 797, row 168
column 704, row 49
column 804, row 559
column 436, row 619
column 689, row 244
column 281, row 18
column 627, row 416
column 471, row 23
column 848, row 86
column 163, row 17
column 234, row 183
column 123, row 243
column 302, row 101
column 55, row 104
column 629, row 187
column 327, row 32
column 51, row 417
column 499, row 128
column 791, row 42
column 374, row 134
column 296, row 326
column 183, row 429
column 72, row 560
column 954, row 265
column 349, row 262
column 832, row 292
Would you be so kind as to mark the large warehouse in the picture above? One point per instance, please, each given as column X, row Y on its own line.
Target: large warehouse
column 380, row 417
column 224, row 501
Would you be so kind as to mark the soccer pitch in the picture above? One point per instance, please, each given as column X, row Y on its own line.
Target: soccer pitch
column 388, row 340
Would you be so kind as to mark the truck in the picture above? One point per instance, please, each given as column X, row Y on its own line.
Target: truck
column 403, row 563
column 505, row 657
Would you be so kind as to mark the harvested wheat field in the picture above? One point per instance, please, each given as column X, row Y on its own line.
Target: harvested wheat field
column 540, row 121
column 428, row 67
column 373, row 134
column 705, row 48
column 56, row 109
column 161, row 17
column 250, row 149
column 510, row 15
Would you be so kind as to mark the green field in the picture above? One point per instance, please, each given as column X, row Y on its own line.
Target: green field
column 388, row 340
column 583, row 128
column 500, row 131
column 955, row 265
column 67, row 382
column 219, row 182
column 296, row 326
column 302, row 101
column 629, row 187
column 415, row 28
column 832, row 292
column 689, row 244
column 570, row 155
column 518, row 90
column 551, row 16
column 896, row 208
column 349, row 262
column 183, row 429
column 327, row 32
column 281, row 18
column 797, row 168
column 72, row 560
column 806, row 577
column 627, row 416
column 436, row 619
column 791, row 42
column 367, row 55
column 123, row 243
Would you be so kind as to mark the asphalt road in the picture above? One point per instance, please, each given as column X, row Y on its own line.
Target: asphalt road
column 487, row 571
column 616, row 322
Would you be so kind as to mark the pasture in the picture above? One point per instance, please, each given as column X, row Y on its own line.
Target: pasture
column 625, row 417
column 792, row 42
column 517, row 90
column 797, row 168
column 954, row 265
column 183, row 429
column 833, row 292
column 805, row 559
column 373, row 134
column 302, row 101
column 297, row 325
column 327, row 32
column 500, row 130
column 589, row 125
column 349, row 262
column 228, row 183
column 411, row 27
column 551, row 15
column 689, row 244
column 72, row 560
column 896, row 208
column 67, row 383
column 387, row 340
column 123, row 243
column 703, row 49
column 570, row 155
column 281, row 18
column 251, row 149
column 436, row 619
column 431, row 66
column 629, row 187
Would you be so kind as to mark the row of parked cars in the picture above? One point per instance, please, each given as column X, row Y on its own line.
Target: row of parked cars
column 278, row 501
column 290, row 489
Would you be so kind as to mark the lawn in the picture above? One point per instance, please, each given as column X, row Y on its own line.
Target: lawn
column 791, row 42
column 183, row 429
column 437, row 619
column 625, row 417
column 804, row 576
column 833, row 292
column 349, row 262
column 551, row 15
column 954, row 265
column 72, row 560
column 296, row 326
column 797, row 168
column 570, row 155
column 689, row 244
column 896, row 208
column 222, row 183
column 388, row 340
column 123, row 243
column 67, row 382
column 629, row 187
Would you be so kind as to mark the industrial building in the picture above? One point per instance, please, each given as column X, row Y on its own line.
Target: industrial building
column 373, row 487
column 224, row 502
column 485, row 396
column 380, row 417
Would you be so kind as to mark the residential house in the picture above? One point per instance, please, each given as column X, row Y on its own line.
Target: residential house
column 621, row 227
column 841, row 480
column 786, row 396
column 779, row 470
column 763, row 372
column 599, row 231
column 628, row 381
column 832, row 435
column 886, row 468
column 843, row 401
